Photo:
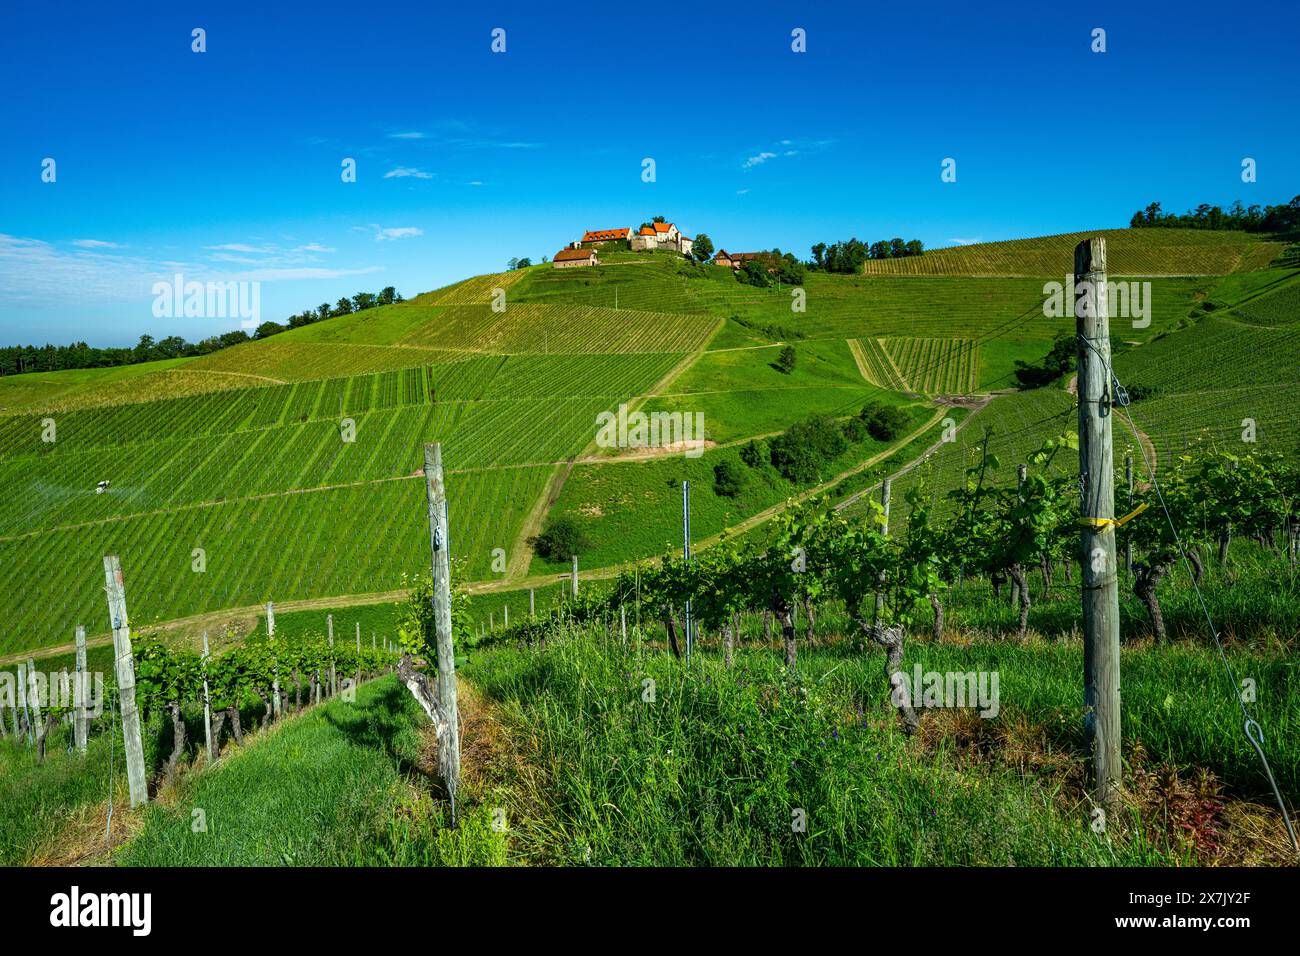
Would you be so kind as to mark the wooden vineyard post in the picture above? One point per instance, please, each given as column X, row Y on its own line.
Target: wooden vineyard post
column 492, row 621
column 329, row 625
column 622, row 622
column 34, row 699
column 441, row 565
column 505, row 609
column 125, row 670
column 207, row 703
column 21, row 706
column 532, row 602
column 1097, row 516
column 81, row 720
column 357, row 682
column 880, row 594
column 575, row 575
column 1128, row 541
column 275, row 675
column 1022, row 472
column 686, row 556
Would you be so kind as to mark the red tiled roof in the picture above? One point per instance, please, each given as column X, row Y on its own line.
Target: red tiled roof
column 663, row 226
column 568, row 255
column 603, row 235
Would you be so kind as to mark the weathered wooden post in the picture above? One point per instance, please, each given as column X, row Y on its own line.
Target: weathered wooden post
column 441, row 565
column 575, row 575
column 505, row 609
column 1128, row 540
column 81, row 719
column 22, row 709
column 1097, row 521
column 275, row 674
column 34, row 702
column 532, row 602
column 358, row 679
column 622, row 622
column 329, row 624
column 885, row 485
column 492, row 621
column 1022, row 473
column 207, row 703
column 125, row 670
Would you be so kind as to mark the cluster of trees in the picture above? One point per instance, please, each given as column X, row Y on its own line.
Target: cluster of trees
column 523, row 263
column 802, row 453
column 814, row 554
column 1282, row 218
column 849, row 256
column 21, row 359
column 770, row 268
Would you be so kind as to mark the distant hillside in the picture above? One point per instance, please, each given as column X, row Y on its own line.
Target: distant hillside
column 1135, row 252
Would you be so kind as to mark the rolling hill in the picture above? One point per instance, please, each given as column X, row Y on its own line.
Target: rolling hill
column 288, row 469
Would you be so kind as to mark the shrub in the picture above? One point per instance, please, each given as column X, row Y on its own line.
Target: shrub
column 785, row 361
column 752, row 454
column 729, row 478
column 806, row 447
column 561, row 539
column 883, row 422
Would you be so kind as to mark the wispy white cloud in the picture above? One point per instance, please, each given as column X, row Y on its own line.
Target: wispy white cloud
column 475, row 182
column 95, row 244
column 741, row 192
column 409, row 134
column 786, row 147
column 390, row 233
column 967, row 242
column 757, row 160
column 407, row 172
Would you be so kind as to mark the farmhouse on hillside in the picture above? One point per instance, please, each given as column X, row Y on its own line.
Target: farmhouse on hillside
column 569, row 258
column 733, row 259
column 596, row 238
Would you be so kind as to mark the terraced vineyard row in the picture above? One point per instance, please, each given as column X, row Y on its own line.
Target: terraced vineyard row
column 1021, row 422
column 1176, row 422
column 286, row 359
column 875, row 364
column 480, row 377
column 529, row 327
column 936, row 366
column 59, row 488
column 1216, row 353
column 340, row 541
column 476, row 290
column 1277, row 307
column 1132, row 252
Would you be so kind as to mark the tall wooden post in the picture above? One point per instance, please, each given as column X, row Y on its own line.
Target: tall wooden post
column 884, row 503
column 357, row 682
column 686, row 555
column 20, row 709
column 34, row 699
column 275, row 677
column 1097, row 484
column 207, row 703
column 1022, row 473
column 80, row 690
column 1128, row 541
column 441, row 563
column 125, row 669
column 575, row 575
column 532, row 602
column 329, row 624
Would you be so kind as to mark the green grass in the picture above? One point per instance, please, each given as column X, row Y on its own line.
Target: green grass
column 322, row 789
column 712, row 772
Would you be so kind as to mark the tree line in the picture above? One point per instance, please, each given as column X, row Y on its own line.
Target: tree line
column 848, row 256
column 1282, row 218
column 22, row 359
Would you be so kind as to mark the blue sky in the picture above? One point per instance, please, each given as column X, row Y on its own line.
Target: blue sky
column 226, row 164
